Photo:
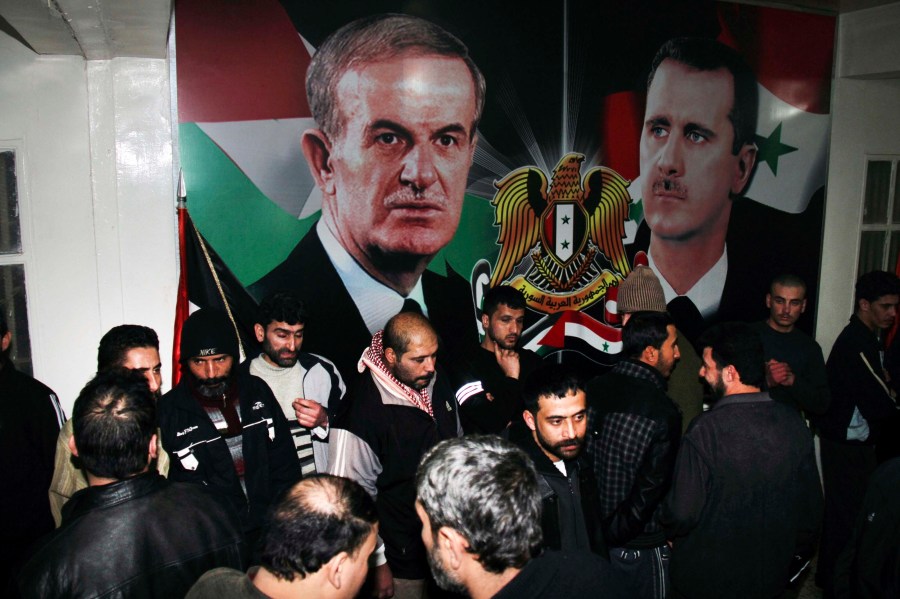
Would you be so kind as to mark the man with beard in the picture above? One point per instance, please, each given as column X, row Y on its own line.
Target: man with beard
column 308, row 387
column 223, row 428
column 745, row 497
column 489, row 378
column 634, row 432
column 401, row 406
column 556, row 417
column 125, row 347
column 479, row 500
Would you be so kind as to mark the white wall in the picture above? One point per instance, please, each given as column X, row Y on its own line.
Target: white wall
column 865, row 120
column 97, row 200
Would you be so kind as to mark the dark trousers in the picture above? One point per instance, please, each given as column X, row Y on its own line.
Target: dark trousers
column 845, row 472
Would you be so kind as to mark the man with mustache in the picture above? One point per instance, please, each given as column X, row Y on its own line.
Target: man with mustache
column 397, row 101
column 633, row 440
column 697, row 154
column 308, row 387
column 489, row 377
column 223, row 427
column 130, row 347
column 556, row 417
column 400, row 406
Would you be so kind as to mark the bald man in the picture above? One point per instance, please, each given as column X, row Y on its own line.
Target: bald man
column 402, row 406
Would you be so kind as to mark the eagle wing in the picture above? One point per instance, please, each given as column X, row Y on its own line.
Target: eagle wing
column 606, row 201
column 520, row 200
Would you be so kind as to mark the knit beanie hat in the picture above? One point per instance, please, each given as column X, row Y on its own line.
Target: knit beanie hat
column 641, row 290
column 208, row 332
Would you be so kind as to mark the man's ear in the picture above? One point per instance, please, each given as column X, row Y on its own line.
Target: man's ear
column 803, row 306
column 485, row 322
column 768, row 300
column 153, row 450
column 650, row 356
column 746, row 158
column 72, row 447
column 260, row 332
column 334, row 569
column 390, row 356
column 454, row 546
column 5, row 341
column 317, row 150
column 529, row 419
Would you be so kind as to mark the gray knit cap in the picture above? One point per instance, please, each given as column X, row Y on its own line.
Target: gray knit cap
column 641, row 290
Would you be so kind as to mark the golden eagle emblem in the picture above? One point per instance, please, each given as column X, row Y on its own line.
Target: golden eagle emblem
column 563, row 240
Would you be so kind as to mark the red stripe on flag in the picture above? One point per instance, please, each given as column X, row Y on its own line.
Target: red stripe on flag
column 621, row 122
column 182, row 307
column 556, row 336
column 239, row 61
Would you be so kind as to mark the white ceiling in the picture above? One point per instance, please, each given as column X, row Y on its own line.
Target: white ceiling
column 103, row 29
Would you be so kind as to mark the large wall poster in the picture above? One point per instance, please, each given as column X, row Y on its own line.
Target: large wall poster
column 554, row 199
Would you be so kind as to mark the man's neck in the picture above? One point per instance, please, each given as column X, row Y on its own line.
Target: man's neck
column 778, row 328
column 740, row 388
column 684, row 262
column 869, row 325
column 485, row 585
column 309, row 586
column 400, row 273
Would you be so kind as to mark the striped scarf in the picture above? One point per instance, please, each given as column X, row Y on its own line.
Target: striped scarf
column 373, row 359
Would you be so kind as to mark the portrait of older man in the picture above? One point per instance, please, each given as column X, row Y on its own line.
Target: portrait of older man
column 397, row 101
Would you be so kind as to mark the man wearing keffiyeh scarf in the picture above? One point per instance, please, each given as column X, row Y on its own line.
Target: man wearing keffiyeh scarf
column 400, row 407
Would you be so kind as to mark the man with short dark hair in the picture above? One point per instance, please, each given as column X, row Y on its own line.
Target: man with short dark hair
column 641, row 291
column 479, row 502
column 795, row 368
column 397, row 100
column 745, row 497
column 861, row 403
column 697, row 155
column 401, row 406
column 633, row 436
column 489, row 377
column 317, row 545
column 131, row 533
column 129, row 347
column 555, row 418
column 30, row 419
column 308, row 387
column 223, row 428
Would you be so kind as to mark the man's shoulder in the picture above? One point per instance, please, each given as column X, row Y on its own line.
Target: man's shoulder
column 25, row 388
column 308, row 258
column 562, row 574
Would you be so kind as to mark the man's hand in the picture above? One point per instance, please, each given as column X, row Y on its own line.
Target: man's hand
column 779, row 374
column 310, row 413
column 508, row 360
column 382, row 582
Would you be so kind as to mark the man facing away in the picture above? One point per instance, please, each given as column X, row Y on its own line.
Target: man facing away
column 129, row 347
column 401, row 406
column 317, row 546
column 489, row 377
column 555, row 416
column 642, row 291
column 479, row 502
column 633, row 440
column 745, row 497
column 223, row 428
column 795, row 368
column 131, row 533
column 862, row 401
column 308, row 387
column 30, row 417
column 397, row 100
column 697, row 154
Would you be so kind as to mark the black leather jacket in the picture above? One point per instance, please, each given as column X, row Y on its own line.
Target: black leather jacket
column 139, row 537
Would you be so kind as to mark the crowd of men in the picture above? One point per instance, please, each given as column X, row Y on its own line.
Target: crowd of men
column 407, row 459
